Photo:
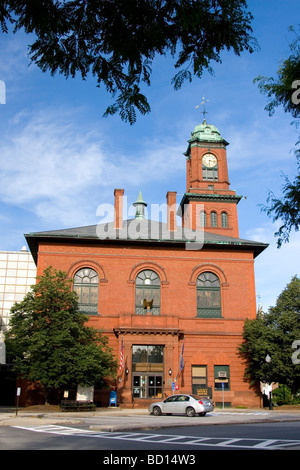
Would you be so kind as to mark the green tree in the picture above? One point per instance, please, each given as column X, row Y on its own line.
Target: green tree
column 48, row 341
column 285, row 91
column 285, row 209
column 117, row 40
column 274, row 333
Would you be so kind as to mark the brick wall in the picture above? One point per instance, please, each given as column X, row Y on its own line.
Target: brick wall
column 207, row 341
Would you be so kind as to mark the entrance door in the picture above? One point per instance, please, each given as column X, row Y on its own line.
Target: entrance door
column 139, row 386
column 147, row 386
column 147, row 371
column 155, row 386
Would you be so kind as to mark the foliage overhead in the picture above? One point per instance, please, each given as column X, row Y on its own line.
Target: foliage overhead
column 48, row 341
column 117, row 40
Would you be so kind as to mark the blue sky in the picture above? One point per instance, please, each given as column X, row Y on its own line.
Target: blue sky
column 60, row 159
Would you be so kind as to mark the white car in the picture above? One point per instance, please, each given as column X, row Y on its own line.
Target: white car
column 182, row 404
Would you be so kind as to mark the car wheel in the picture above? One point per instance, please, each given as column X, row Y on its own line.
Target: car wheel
column 156, row 411
column 202, row 414
column 190, row 411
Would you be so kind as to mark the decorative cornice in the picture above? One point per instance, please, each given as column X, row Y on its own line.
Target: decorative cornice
column 209, row 197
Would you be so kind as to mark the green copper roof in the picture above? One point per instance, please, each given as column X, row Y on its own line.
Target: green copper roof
column 140, row 199
column 140, row 207
column 206, row 133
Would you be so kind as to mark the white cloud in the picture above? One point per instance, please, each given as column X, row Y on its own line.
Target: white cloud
column 62, row 170
column 268, row 143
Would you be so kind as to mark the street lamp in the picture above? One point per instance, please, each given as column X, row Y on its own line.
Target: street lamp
column 268, row 361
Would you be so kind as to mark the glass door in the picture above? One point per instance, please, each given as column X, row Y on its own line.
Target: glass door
column 140, row 386
column 147, row 386
column 155, row 386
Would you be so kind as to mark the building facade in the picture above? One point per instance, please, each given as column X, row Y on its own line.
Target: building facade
column 172, row 298
column 17, row 274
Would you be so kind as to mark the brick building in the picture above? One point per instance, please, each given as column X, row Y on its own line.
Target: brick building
column 172, row 297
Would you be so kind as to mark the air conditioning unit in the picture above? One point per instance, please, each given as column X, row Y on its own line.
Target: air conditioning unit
column 222, row 375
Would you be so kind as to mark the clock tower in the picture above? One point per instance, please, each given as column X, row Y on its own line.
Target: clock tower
column 208, row 203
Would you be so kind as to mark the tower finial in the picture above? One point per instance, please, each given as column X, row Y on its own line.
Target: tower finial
column 140, row 205
column 204, row 112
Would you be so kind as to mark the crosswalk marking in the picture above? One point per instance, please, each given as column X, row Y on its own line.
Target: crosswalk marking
column 264, row 444
column 237, row 442
column 229, row 442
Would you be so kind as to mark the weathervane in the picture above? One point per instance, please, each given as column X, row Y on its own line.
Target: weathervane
column 204, row 112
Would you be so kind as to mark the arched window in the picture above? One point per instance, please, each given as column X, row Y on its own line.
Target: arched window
column 224, row 220
column 86, row 286
column 213, row 219
column 202, row 219
column 208, row 295
column 147, row 293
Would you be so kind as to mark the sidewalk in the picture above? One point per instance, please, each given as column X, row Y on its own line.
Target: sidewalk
column 118, row 419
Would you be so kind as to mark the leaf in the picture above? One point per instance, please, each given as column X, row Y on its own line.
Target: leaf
column 116, row 41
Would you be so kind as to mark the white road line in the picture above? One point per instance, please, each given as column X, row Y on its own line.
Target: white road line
column 266, row 443
column 53, row 429
column 229, row 442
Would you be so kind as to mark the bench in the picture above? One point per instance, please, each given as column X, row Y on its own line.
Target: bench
column 74, row 405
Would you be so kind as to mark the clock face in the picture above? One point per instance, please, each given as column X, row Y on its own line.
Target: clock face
column 209, row 160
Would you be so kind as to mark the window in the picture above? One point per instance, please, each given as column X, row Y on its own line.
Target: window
column 208, row 295
column 147, row 293
column 86, row 286
column 213, row 219
column 170, row 399
column 182, row 398
column 202, row 219
column 224, row 220
column 210, row 173
column 222, row 381
column 199, row 380
column 147, row 371
column 147, row 358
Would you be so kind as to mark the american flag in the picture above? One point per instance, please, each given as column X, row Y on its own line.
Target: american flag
column 121, row 357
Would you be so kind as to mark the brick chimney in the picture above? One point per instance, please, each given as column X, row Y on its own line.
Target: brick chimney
column 171, row 211
column 118, row 216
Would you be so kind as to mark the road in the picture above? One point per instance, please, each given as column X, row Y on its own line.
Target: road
column 136, row 439
column 188, row 440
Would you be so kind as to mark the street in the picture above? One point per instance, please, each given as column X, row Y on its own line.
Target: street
column 188, row 440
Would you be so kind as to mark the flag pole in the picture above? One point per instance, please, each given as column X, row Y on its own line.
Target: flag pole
column 180, row 363
column 121, row 366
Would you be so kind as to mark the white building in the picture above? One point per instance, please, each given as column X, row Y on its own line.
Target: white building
column 17, row 274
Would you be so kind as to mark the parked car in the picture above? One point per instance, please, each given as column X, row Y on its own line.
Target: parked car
column 182, row 404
